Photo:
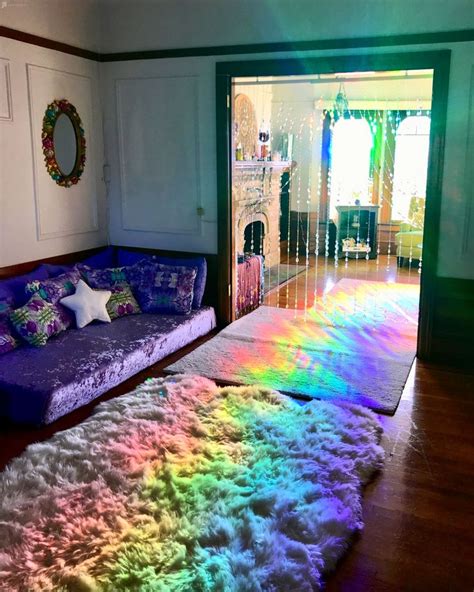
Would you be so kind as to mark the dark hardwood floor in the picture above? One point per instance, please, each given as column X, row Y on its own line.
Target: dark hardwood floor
column 418, row 512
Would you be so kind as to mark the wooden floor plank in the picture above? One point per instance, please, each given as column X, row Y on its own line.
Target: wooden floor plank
column 418, row 512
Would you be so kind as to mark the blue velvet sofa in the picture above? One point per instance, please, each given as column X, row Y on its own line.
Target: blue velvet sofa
column 39, row 385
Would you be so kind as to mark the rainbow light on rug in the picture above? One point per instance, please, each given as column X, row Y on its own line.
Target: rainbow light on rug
column 339, row 343
column 184, row 487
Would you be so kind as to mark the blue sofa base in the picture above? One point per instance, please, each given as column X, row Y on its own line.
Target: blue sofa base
column 39, row 385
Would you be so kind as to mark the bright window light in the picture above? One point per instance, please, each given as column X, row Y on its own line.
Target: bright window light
column 350, row 163
column 411, row 164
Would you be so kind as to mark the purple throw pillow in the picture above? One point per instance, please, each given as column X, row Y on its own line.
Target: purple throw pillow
column 200, row 264
column 53, row 289
column 8, row 341
column 104, row 279
column 165, row 289
column 105, row 258
column 127, row 258
column 39, row 320
column 122, row 302
column 13, row 289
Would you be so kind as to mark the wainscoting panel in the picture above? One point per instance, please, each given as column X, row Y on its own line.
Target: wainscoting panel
column 159, row 154
column 62, row 211
column 6, row 113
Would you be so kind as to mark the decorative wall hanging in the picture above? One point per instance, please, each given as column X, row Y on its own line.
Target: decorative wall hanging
column 64, row 143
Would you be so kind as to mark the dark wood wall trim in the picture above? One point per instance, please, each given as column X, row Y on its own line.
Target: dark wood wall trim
column 457, row 36
column 66, row 259
column 438, row 61
column 48, row 43
column 290, row 46
column 453, row 322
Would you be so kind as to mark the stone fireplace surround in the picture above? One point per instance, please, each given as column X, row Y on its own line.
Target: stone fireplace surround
column 256, row 187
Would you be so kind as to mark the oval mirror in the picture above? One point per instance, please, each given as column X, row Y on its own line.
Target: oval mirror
column 64, row 144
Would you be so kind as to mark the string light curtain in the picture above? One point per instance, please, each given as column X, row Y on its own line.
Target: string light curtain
column 342, row 156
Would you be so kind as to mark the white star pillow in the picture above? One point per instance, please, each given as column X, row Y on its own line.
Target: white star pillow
column 88, row 304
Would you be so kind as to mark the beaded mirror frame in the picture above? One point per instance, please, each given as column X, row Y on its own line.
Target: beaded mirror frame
column 52, row 113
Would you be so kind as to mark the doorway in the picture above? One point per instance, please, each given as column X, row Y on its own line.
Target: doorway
column 342, row 226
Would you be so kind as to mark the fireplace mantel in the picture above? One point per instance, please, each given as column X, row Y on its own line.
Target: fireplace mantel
column 279, row 166
column 256, row 188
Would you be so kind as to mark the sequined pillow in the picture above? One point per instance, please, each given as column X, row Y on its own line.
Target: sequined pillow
column 39, row 320
column 166, row 289
column 122, row 302
column 104, row 279
column 53, row 289
column 8, row 341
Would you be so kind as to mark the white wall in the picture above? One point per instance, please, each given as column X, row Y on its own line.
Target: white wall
column 38, row 218
column 154, row 24
column 75, row 22
column 454, row 258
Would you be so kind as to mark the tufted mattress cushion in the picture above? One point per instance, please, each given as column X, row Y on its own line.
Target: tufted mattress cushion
column 39, row 385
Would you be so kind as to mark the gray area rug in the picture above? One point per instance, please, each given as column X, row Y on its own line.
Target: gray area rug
column 357, row 345
column 278, row 275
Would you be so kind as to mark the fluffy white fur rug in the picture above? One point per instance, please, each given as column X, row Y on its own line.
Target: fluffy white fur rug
column 181, row 486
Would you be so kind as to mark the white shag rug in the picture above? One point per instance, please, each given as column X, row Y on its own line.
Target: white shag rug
column 357, row 345
column 182, row 486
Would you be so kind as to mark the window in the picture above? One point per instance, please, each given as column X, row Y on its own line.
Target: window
column 350, row 163
column 411, row 164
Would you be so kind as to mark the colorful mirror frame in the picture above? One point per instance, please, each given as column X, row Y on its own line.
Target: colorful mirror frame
column 53, row 111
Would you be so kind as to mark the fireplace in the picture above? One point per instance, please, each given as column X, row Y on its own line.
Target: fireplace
column 256, row 188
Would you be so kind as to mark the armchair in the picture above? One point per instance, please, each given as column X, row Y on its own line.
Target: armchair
column 410, row 237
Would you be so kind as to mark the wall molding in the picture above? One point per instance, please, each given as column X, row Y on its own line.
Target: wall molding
column 38, row 164
column 193, row 98
column 456, row 36
column 6, row 104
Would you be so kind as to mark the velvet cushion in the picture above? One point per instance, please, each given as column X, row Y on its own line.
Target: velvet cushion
column 104, row 279
column 53, row 289
column 38, row 385
column 165, row 288
column 6, row 305
column 12, row 290
column 8, row 341
column 200, row 264
column 126, row 258
column 39, row 320
column 105, row 258
column 122, row 302
column 55, row 270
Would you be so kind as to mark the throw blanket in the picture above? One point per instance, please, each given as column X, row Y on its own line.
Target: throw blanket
column 182, row 486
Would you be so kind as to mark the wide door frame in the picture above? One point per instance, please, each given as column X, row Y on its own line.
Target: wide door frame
column 438, row 61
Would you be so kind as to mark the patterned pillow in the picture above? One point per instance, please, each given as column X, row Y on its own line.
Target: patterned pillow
column 53, row 289
column 165, row 288
column 7, row 339
column 104, row 279
column 39, row 320
column 122, row 302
